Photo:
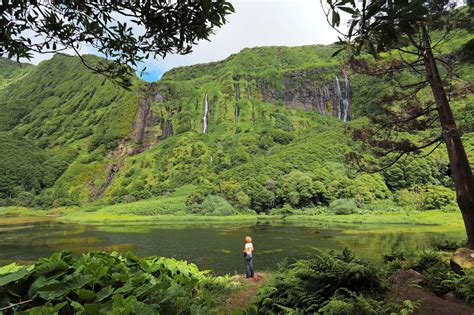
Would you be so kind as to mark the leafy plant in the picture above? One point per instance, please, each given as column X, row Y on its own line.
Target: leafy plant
column 328, row 283
column 101, row 283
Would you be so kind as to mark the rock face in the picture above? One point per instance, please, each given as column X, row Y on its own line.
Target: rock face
column 404, row 277
column 463, row 258
column 312, row 90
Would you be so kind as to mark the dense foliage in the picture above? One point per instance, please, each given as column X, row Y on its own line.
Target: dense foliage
column 329, row 283
column 338, row 283
column 430, row 263
column 108, row 283
column 264, row 148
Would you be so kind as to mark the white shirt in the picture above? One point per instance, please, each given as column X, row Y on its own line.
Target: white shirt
column 248, row 248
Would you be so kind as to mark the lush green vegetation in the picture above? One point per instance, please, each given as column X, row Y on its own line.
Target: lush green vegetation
column 59, row 120
column 70, row 143
column 327, row 283
column 339, row 283
column 330, row 283
column 11, row 71
column 110, row 283
column 64, row 128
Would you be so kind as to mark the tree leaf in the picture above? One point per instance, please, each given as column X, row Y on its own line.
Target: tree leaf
column 337, row 52
column 348, row 10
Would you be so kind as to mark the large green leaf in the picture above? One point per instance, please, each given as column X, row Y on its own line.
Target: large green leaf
column 14, row 276
column 47, row 309
column 92, row 308
column 13, row 267
column 104, row 293
column 78, row 308
column 57, row 289
column 39, row 284
column 48, row 266
column 85, row 295
column 128, row 285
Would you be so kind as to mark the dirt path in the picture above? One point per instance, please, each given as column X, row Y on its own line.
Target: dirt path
column 242, row 298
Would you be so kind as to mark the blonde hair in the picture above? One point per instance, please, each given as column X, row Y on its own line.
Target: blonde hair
column 248, row 239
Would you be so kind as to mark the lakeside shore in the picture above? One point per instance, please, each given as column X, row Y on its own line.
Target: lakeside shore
column 16, row 215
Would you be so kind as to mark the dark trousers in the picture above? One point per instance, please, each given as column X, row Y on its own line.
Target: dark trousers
column 249, row 266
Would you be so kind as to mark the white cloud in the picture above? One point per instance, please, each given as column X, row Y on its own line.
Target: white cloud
column 254, row 23
column 259, row 23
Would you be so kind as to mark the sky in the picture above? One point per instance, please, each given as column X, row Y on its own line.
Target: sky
column 254, row 23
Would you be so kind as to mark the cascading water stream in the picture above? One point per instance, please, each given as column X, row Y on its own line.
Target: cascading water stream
column 344, row 105
column 205, row 117
column 339, row 95
column 347, row 97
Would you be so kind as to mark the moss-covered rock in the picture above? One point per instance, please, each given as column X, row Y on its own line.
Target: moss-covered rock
column 462, row 259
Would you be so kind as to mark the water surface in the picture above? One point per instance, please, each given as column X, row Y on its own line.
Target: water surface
column 216, row 246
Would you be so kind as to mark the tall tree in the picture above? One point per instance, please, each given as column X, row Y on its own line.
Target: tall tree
column 406, row 28
column 126, row 31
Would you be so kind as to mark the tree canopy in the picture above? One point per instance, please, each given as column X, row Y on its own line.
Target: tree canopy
column 377, row 26
column 128, row 32
column 411, row 33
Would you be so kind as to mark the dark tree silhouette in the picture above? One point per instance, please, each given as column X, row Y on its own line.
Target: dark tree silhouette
column 125, row 31
column 405, row 122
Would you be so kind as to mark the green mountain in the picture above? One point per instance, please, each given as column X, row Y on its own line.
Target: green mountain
column 262, row 129
column 11, row 71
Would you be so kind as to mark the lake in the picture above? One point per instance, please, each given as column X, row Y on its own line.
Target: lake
column 216, row 246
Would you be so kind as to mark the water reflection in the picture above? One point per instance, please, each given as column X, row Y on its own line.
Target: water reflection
column 215, row 246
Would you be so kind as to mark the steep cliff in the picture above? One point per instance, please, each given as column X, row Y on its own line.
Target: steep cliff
column 231, row 93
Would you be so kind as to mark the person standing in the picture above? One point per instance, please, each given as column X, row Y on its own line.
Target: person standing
column 248, row 255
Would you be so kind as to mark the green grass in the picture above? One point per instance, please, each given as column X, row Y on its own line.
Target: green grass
column 433, row 217
column 428, row 220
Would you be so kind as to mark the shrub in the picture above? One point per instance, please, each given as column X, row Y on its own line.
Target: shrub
column 343, row 206
column 287, row 209
column 447, row 245
column 408, row 198
column 214, row 205
column 281, row 137
column 298, row 189
column 350, row 303
column 329, row 283
column 437, row 197
column 385, row 205
column 365, row 188
column 242, row 200
column 194, row 199
column 464, row 285
column 24, row 199
column 426, row 198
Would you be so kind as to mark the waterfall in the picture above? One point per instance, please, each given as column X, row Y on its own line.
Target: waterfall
column 343, row 104
column 141, row 119
column 339, row 95
column 236, row 117
column 237, row 89
column 347, row 97
column 205, row 117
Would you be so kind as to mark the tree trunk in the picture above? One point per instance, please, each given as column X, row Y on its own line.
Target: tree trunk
column 460, row 168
